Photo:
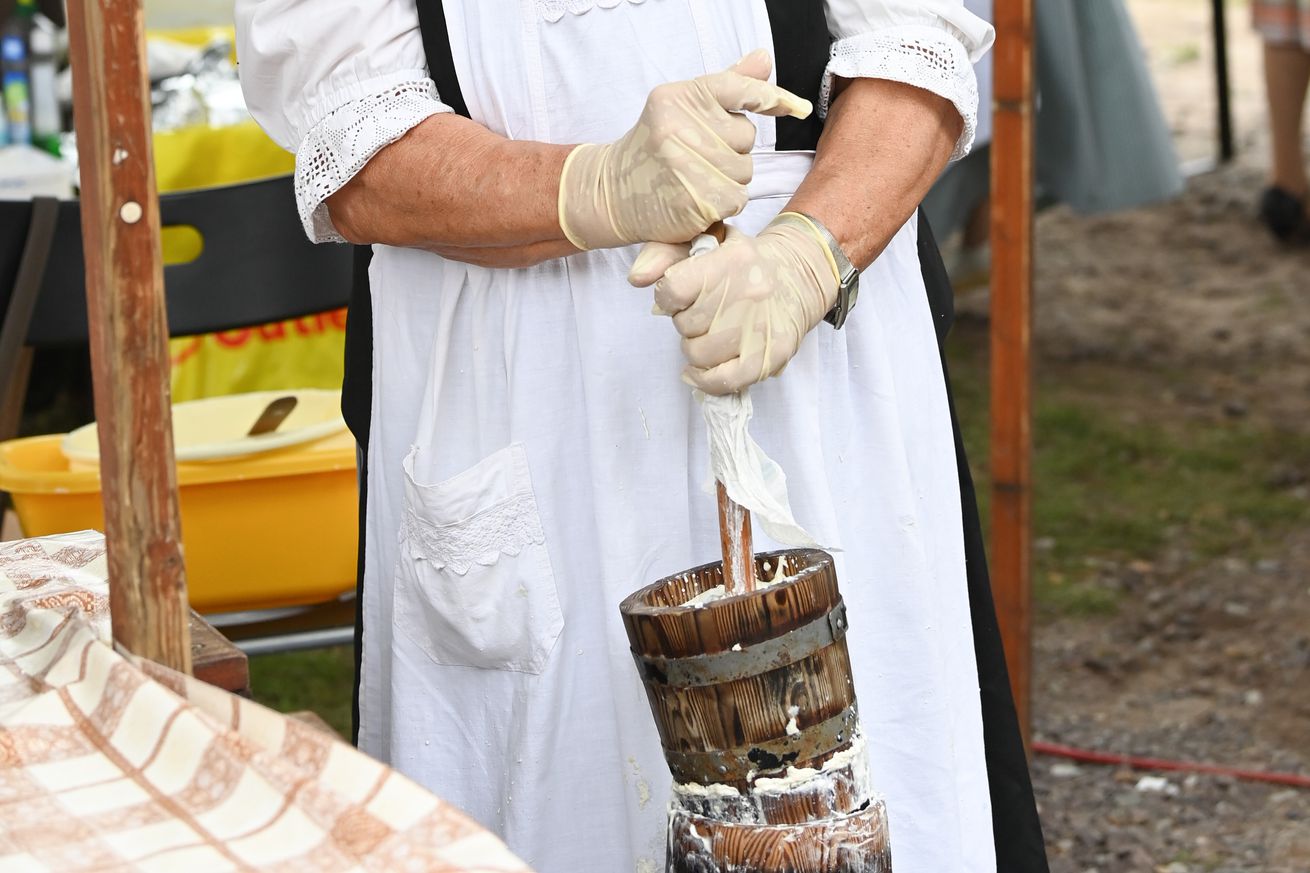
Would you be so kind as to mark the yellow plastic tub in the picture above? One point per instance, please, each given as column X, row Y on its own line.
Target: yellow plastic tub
column 275, row 529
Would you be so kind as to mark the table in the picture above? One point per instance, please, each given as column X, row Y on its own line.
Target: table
column 121, row 763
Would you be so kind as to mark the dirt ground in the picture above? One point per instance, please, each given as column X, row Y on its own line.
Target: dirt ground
column 1201, row 319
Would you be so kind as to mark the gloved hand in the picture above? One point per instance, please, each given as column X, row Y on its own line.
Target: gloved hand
column 744, row 308
column 683, row 167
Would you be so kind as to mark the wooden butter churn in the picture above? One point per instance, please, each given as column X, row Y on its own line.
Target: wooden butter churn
column 753, row 698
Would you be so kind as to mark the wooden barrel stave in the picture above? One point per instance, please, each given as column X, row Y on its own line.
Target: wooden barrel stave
column 658, row 624
column 770, row 758
column 857, row 843
column 835, row 792
column 742, row 713
column 755, row 708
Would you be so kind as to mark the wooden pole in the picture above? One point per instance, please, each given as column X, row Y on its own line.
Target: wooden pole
column 1223, row 91
column 1011, row 333
column 129, row 330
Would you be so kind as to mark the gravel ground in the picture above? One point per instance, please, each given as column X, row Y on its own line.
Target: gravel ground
column 1213, row 666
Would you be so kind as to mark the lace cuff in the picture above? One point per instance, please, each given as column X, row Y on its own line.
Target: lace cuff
column 931, row 58
column 341, row 144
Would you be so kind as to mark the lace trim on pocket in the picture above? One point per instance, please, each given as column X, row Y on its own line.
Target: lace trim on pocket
column 504, row 529
column 554, row 10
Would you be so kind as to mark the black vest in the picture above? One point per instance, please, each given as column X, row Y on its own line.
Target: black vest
column 801, row 44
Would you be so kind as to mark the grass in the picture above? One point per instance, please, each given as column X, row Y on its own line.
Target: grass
column 1119, row 477
column 318, row 680
column 1188, row 53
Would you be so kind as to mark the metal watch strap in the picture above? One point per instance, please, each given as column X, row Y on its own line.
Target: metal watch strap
column 848, row 281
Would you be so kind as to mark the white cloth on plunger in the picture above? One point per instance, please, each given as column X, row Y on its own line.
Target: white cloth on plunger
column 752, row 478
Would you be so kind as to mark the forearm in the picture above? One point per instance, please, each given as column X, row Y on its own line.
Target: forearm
column 506, row 257
column 450, row 185
column 883, row 146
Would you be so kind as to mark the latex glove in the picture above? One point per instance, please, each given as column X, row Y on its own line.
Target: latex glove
column 744, row 308
column 683, row 167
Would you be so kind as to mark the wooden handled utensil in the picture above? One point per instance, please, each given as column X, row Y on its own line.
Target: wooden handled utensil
column 273, row 415
column 734, row 519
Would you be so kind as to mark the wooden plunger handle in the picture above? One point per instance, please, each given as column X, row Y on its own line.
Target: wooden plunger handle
column 735, row 539
column 734, row 519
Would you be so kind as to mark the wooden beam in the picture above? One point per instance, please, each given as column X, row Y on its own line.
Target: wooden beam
column 13, row 394
column 1011, row 334
column 216, row 660
column 129, row 330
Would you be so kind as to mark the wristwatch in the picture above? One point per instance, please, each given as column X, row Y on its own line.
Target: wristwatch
column 848, row 278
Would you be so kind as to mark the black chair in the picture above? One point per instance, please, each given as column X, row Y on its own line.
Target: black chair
column 255, row 267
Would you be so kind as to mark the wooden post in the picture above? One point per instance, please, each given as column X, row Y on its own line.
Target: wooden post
column 13, row 394
column 1011, row 331
column 129, row 330
column 1223, row 90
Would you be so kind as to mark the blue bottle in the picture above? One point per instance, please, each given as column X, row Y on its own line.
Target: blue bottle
column 14, row 74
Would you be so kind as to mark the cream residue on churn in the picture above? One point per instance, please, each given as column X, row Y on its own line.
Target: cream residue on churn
column 718, row 592
column 725, row 802
column 853, row 756
column 714, row 790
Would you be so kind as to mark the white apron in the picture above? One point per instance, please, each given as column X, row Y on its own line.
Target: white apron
column 534, row 458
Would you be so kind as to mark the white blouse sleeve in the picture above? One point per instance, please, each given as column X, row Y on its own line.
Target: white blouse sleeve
column 931, row 44
column 333, row 83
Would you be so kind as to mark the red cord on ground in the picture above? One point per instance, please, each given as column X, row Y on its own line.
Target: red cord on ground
column 1088, row 756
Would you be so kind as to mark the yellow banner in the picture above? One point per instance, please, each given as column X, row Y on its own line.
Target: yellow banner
column 303, row 353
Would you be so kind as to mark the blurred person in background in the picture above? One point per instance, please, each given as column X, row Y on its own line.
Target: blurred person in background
column 1284, row 25
column 1101, row 140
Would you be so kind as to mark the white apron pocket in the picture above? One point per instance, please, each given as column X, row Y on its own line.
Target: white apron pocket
column 474, row 586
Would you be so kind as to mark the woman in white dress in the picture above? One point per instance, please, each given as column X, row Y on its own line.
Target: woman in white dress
column 533, row 455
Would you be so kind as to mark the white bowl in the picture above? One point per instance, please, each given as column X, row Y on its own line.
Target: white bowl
column 215, row 428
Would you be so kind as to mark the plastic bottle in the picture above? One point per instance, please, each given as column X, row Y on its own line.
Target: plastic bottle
column 27, row 172
column 4, row 122
column 14, row 72
column 45, row 99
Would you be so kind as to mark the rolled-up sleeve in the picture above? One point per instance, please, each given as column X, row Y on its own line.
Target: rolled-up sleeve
column 930, row 44
column 334, row 83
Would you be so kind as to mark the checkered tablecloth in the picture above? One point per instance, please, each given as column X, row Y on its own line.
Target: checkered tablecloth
column 114, row 764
